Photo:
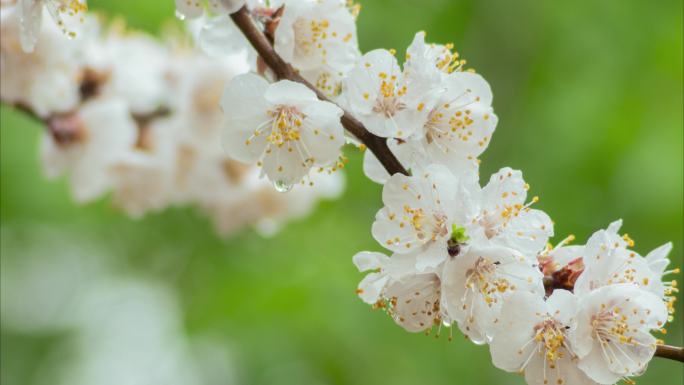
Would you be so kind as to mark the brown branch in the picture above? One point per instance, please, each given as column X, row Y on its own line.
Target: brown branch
column 670, row 352
column 284, row 70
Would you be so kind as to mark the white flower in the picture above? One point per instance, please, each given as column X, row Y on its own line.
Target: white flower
column 532, row 337
column 457, row 130
column 61, row 11
column 458, row 126
column 477, row 282
column 612, row 335
column 411, row 298
column 371, row 287
column 608, row 260
column 219, row 37
column 385, row 100
column 143, row 180
column 282, row 127
column 192, row 9
column 142, row 79
column 319, row 39
column 417, row 216
column 432, row 62
column 498, row 214
column 47, row 79
column 87, row 144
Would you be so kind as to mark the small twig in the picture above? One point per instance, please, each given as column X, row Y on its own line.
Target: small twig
column 284, row 70
column 670, row 352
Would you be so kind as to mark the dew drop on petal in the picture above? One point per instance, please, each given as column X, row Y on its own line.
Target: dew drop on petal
column 282, row 186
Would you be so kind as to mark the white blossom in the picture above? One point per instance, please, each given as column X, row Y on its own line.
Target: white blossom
column 192, row 9
column 458, row 126
column 612, row 336
column 497, row 213
column 411, row 298
column 319, row 39
column 608, row 260
column 44, row 79
column 144, row 179
column 63, row 12
column 282, row 127
column 532, row 337
column 479, row 280
column 386, row 100
column 98, row 135
column 418, row 215
column 219, row 37
column 431, row 62
column 143, row 78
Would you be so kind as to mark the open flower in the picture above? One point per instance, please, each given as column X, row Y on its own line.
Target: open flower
column 431, row 61
column 411, row 298
column 385, row 100
column 609, row 260
column 192, row 9
column 319, row 39
column 45, row 79
column 532, row 337
column 457, row 130
column 458, row 126
column 282, row 127
column 63, row 13
column 87, row 144
column 417, row 216
column 477, row 282
column 497, row 213
column 612, row 337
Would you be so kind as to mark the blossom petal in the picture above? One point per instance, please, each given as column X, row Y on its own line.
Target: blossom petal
column 515, row 329
column 286, row 92
column 563, row 305
column 369, row 260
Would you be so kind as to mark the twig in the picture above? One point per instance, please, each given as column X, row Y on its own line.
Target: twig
column 284, row 70
column 670, row 352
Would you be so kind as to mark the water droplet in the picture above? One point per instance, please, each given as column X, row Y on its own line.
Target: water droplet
column 282, row 186
column 179, row 15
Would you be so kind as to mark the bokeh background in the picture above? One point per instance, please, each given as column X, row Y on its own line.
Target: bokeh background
column 589, row 95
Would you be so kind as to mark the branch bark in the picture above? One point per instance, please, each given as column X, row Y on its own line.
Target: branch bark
column 670, row 352
column 284, row 70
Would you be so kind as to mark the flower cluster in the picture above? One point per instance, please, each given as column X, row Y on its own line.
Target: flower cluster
column 283, row 127
column 465, row 253
column 139, row 119
column 478, row 256
column 462, row 253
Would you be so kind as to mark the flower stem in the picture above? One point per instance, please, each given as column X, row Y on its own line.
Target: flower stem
column 284, row 70
column 670, row 352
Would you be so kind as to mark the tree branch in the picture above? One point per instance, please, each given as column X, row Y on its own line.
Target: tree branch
column 670, row 352
column 284, row 70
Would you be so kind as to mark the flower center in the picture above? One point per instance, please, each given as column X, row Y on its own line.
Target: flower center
column 482, row 278
column 309, row 36
column 433, row 226
column 389, row 101
column 550, row 335
column 285, row 126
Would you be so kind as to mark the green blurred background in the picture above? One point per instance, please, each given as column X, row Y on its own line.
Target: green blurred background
column 589, row 95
